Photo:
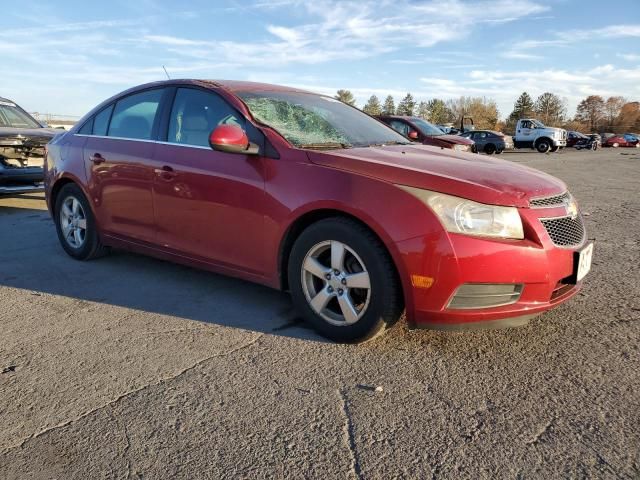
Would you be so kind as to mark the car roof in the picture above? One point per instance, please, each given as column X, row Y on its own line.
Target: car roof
column 233, row 86
column 2, row 99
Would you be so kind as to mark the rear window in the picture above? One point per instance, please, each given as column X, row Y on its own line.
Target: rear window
column 134, row 115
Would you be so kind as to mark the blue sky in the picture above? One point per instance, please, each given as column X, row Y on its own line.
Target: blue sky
column 65, row 56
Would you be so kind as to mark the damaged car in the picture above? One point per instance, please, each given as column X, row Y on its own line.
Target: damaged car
column 22, row 142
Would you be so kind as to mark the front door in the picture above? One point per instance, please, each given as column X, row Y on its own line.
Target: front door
column 208, row 204
column 118, row 154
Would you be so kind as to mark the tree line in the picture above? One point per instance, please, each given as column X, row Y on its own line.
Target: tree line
column 594, row 113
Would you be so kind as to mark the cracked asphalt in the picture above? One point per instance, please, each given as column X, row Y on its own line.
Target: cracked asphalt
column 129, row 367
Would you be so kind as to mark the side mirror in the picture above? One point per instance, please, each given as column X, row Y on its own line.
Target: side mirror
column 232, row 139
column 413, row 135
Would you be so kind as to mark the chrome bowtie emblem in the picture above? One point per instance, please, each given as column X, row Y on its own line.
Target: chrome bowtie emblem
column 572, row 208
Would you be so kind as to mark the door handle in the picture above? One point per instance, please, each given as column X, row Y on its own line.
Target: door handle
column 166, row 172
column 97, row 159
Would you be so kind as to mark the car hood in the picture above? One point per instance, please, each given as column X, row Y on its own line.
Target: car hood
column 21, row 135
column 479, row 178
column 455, row 139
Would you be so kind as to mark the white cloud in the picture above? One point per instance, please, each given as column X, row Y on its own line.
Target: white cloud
column 630, row 57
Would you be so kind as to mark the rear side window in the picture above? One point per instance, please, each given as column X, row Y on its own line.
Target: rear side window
column 87, row 128
column 134, row 115
column 196, row 113
column 101, row 121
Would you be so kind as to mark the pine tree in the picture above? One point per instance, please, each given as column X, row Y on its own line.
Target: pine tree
column 389, row 107
column 523, row 107
column 345, row 96
column 406, row 106
column 438, row 111
column 373, row 106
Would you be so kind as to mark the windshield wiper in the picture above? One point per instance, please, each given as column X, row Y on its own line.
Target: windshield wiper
column 382, row 144
column 325, row 145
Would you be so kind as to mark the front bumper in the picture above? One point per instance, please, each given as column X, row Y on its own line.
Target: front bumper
column 450, row 260
column 559, row 143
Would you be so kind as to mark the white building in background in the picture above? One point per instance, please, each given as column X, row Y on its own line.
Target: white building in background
column 56, row 121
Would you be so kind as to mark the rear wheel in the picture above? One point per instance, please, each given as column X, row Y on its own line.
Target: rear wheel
column 76, row 225
column 543, row 146
column 343, row 281
column 490, row 149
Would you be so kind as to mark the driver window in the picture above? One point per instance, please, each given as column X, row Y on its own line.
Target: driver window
column 196, row 113
column 400, row 127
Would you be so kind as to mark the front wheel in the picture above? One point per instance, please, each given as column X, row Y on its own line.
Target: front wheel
column 76, row 225
column 490, row 149
column 543, row 146
column 343, row 281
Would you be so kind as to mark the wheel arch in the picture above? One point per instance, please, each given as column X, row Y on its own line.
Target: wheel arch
column 308, row 218
column 539, row 139
column 59, row 184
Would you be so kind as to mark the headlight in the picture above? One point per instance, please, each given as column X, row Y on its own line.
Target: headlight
column 460, row 215
column 461, row 148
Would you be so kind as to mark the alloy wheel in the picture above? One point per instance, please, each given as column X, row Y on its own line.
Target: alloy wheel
column 73, row 221
column 336, row 283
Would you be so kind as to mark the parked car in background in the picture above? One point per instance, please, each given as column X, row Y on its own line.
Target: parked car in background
column 304, row 193
column 626, row 140
column 22, row 141
column 589, row 142
column 419, row 130
column 574, row 137
column 532, row 133
column 448, row 129
column 488, row 141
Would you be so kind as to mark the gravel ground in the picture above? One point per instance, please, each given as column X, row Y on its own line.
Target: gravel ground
column 129, row 367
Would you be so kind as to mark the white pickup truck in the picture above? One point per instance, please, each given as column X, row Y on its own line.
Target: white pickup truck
column 531, row 133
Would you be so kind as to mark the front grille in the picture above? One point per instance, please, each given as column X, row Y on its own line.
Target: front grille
column 555, row 200
column 565, row 231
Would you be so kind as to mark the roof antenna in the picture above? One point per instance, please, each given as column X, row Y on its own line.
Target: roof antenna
column 165, row 72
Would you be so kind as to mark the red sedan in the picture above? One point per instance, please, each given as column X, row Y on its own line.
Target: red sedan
column 419, row 130
column 626, row 140
column 303, row 193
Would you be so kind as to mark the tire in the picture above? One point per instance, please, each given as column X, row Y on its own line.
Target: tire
column 498, row 152
column 543, row 146
column 554, row 149
column 490, row 149
column 72, row 211
column 369, row 311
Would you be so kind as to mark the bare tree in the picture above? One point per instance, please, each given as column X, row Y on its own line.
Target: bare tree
column 550, row 109
column 612, row 109
column 591, row 111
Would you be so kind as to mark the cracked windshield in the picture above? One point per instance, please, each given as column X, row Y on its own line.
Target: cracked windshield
column 314, row 121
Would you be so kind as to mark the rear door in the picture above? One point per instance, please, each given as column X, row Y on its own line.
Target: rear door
column 209, row 205
column 119, row 161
